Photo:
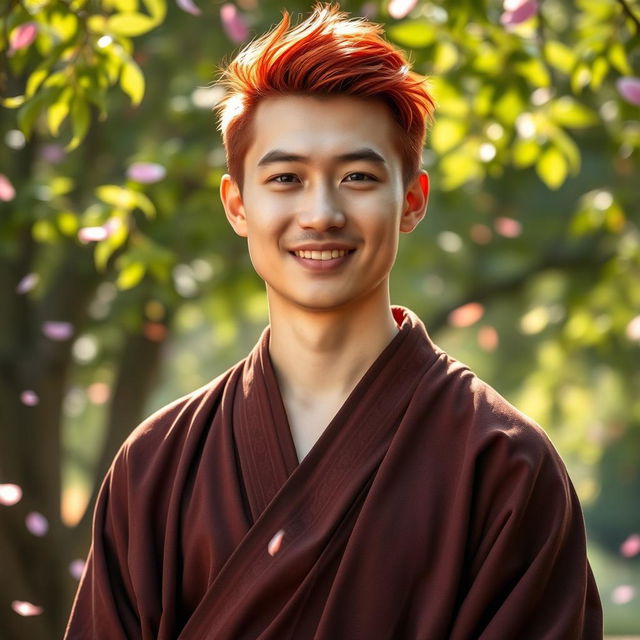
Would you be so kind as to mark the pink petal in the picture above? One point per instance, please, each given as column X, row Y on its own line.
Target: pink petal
column 633, row 329
column 76, row 567
column 26, row 608
column 10, row 494
column 92, row 234
column 521, row 13
column 146, row 172
column 275, row 543
column 29, row 398
column 466, row 315
column 629, row 89
column 98, row 392
column 57, row 330
column 488, row 338
column 28, row 283
column 52, row 153
column 399, row 9
column 233, row 23
column 7, row 192
column 631, row 546
column 37, row 524
column 507, row 227
column 23, row 36
column 480, row 234
column 622, row 594
column 189, row 7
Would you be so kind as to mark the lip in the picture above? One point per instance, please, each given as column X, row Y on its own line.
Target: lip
column 322, row 265
column 326, row 246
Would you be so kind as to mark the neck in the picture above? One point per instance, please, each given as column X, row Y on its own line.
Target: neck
column 320, row 354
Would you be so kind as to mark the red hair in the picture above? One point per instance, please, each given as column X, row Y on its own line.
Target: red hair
column 326, row 54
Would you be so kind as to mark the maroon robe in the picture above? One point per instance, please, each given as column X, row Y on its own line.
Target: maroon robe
column 429, row 508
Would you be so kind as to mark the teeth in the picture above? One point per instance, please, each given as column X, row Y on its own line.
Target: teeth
column 327, row 254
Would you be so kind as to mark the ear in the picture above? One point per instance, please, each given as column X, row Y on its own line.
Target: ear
column 233, row 206
column 415, row 202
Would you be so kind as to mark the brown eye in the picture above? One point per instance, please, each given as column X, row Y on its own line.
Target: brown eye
column 359, row 177
column 284, row 178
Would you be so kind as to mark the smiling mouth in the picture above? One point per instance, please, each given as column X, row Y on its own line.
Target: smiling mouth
column 326, row 254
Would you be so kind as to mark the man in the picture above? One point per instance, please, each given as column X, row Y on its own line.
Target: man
column 347, row 479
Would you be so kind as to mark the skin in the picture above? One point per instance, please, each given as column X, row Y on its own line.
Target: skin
column 324, row 173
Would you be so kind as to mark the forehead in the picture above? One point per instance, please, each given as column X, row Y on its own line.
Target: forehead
column 322, row 127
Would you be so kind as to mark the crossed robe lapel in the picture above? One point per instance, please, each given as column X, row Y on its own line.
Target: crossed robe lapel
column 256, row 595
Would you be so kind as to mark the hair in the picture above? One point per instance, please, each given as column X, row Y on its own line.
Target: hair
column 328, row 54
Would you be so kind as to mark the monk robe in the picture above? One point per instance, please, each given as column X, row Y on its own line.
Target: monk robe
column 429, row 508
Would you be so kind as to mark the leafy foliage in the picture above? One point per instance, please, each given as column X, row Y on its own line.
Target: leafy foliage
column 527, row 267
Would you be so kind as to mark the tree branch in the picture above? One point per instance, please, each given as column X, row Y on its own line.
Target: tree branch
column 627, row 9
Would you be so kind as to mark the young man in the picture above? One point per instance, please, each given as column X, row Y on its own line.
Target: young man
column 348, row 479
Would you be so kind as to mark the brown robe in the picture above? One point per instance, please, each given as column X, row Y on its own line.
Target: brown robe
column 430, row 508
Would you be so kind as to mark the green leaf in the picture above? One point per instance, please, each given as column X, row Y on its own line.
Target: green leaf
column 106, row 248
column 525, row 153
column 132, row 81
column 157, row 9
column 446, row 134
column 80, row 119
column 598, row 72
column 559, row 56
column 130, row 24
column 413, row 34
column 144, row 204
column 618, row 58
column 36, row 79
column 445, row 58
column 534, row 71
column 552, row 168
column 460, row 167
column 13, row 102
column 59, row 110
column 29, row 112
column 130, row 275
column 569, row 113
column 118, row 197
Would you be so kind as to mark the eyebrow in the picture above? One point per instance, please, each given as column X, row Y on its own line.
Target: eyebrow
column 278, row 155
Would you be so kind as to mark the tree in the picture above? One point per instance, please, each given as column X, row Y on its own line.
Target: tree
column 109, row 242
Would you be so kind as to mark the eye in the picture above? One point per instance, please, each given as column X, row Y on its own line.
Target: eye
column 358, row 176
column 284, row 178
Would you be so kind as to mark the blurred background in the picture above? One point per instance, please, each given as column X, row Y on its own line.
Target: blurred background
column 122, row 287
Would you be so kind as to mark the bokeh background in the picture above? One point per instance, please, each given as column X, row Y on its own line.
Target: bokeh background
column 122, row 287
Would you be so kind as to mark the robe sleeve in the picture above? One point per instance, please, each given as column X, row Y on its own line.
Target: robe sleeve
column 528, row 575
column 104, row 606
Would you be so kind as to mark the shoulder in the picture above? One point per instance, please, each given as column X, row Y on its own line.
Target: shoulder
column 165, row 432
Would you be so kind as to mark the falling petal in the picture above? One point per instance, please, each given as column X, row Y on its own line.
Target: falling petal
column 58, row 331
column 98, row 393
column 275, row 543
column 633, row 329
column 29, row 398
column 480, row 234
column 76, row 567
column 521, row 12
column 155, row 331
column 189, row 7
column 23, row 36
column 629, row 89
column 631, row 546
column 466, row 315
column 52, row 153
column 146, row 172
column 622, row 594
column 488, row 338
column 92, row 234
column 7, row 192
column 507, row 227
column 10, row 494
column 26, row 609
column 399, row 9
column 37, row 524
column 28, row 283
column 233, row 23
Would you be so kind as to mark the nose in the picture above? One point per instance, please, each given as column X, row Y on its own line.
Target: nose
column 320, row 209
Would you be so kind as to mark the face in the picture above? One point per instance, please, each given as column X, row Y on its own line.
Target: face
column 323, row 200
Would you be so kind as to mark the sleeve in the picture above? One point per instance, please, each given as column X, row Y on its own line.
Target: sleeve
column 527, row 571
column 104, row 607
